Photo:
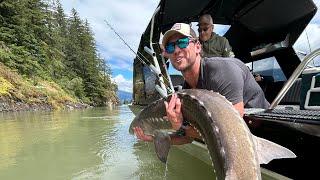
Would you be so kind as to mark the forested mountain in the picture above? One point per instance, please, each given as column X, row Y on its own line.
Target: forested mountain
column 124, row 96
column 39, row 42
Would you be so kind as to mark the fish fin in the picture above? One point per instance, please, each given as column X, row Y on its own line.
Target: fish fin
column 162, row 144
column 268, row 150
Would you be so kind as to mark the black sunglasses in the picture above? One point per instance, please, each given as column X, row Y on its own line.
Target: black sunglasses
column 203, row 29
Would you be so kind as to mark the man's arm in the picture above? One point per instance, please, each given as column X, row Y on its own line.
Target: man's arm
column 175, row 139
column 239, row 107
column 174, row 115
column 179, row 140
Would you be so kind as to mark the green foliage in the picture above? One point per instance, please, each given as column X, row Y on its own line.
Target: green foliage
column 76, row 87
column 25, row 90
column 39, row 41
column 5, row 86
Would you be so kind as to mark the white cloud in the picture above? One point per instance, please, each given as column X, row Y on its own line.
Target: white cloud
column 123, row 84
column 128, row 18
column 316, row 18
column 311, row 33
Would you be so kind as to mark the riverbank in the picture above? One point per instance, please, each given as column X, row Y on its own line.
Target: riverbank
column 7, row 105
column 19, row 93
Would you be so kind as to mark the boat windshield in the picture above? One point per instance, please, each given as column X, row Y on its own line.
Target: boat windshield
column 268, row 68
column 309, row 40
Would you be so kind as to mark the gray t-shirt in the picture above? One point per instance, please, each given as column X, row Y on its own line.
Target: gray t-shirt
column 233, row 79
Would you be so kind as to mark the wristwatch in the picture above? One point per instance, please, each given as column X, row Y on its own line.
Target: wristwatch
column 182, row 130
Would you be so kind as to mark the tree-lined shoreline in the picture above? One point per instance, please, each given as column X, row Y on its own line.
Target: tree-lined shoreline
column 53, row 56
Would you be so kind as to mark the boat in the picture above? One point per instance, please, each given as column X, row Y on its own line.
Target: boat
column 260, row 30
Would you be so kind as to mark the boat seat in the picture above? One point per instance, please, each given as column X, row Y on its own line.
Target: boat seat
column 292, row 97
column 313, row 94
column 286, row 115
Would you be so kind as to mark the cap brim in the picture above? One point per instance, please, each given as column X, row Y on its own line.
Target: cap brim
column 170, row 33
column 203, row 24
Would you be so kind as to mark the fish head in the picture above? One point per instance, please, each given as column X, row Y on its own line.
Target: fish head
column 152, row 118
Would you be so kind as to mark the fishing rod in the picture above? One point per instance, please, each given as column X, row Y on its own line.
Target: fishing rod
column 151, row 66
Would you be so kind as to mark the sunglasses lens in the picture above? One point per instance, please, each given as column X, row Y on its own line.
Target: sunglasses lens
column 170, row 47
column 204, row 29
column 183, row 42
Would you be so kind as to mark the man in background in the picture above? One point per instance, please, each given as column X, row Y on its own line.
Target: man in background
column 213, row 45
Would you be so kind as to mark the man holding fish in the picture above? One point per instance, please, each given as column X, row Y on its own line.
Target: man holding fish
column 228, row 76
column 199, row 111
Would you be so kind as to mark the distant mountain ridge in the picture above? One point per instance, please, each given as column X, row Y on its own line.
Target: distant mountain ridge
column 123, row 95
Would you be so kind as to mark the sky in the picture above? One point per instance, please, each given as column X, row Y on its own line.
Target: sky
column 130, row 18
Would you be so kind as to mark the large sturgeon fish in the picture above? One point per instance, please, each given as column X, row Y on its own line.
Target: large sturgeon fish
column 234, row 151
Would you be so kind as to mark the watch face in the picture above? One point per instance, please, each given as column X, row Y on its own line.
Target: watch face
column 181, row 131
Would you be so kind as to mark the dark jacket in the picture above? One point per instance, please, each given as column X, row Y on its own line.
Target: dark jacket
column 216, row 46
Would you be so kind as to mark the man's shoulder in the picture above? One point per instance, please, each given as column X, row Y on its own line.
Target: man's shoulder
column 212, row 63
column 222, row 62
column 209, row 60
column 219, row 60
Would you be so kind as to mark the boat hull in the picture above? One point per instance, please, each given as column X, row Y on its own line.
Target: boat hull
column 199, row 151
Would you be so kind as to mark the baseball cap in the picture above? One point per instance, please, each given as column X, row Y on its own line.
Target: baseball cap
column 205, row 20
column 180, row 28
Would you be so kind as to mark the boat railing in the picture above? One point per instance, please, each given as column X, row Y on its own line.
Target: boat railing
column 297, row 72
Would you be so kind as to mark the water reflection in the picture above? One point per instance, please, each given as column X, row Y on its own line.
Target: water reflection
column 84, row 144
column 117, row 159
column 180, row 165
column 148, row 164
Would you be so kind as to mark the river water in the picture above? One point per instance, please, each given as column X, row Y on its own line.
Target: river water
column 85, row 144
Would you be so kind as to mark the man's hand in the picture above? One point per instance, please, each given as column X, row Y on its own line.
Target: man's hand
column 140, row 134
column 174, row 114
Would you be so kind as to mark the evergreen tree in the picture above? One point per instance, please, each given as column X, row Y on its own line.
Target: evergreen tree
column 21, row 30
column 56, row 39
column 38, row 40
column 73, row 50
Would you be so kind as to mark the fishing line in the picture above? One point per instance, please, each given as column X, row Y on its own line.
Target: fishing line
column 127, row 44
column 139, row 58
column 308, row 43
